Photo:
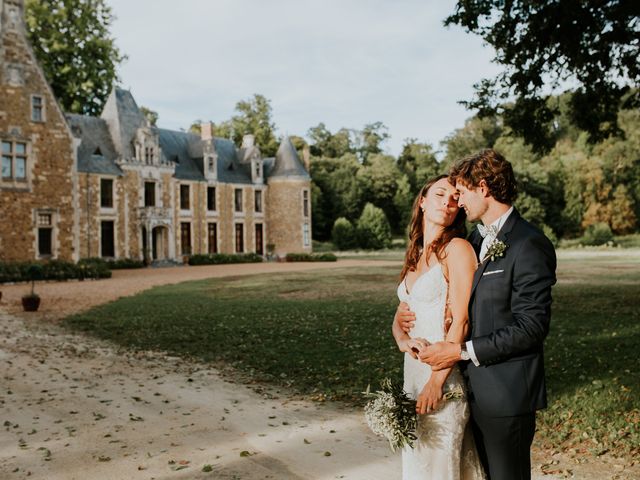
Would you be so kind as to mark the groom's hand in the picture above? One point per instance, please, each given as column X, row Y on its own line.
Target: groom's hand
column 440, row 355
column 404, row 317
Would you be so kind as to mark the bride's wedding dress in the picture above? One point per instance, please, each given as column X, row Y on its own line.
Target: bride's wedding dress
column 444, row 449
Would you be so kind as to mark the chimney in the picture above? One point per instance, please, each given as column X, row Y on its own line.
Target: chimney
column 248, row 141
column 306, row 157
column 206, row 131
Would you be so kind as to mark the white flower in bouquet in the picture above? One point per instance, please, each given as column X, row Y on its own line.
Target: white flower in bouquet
column 392, row 414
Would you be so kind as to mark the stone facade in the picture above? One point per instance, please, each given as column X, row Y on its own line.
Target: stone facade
column 38, row 185
column 115, row 186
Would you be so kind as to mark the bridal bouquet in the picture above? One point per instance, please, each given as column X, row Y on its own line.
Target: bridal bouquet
column 392, row 414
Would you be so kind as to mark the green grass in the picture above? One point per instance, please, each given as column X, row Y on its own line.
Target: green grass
column 326, row 334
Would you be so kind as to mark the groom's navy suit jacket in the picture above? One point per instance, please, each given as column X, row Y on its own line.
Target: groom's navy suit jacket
column 510, row 312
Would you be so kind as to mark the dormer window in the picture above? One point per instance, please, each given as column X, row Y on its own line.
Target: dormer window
column 258, row 170
column 37, row 108
column 149, row 155
column 212, row 164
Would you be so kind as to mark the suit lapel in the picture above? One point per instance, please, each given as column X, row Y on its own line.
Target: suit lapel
column 502, row 236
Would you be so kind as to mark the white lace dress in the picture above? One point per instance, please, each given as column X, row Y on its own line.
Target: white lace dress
column 444, row 449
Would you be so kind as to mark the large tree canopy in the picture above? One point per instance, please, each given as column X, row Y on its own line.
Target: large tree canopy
column 591, row 45
column 72, row 42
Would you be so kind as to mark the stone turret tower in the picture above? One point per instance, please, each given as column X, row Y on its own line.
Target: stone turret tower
column 289, row 199
column 38, row 187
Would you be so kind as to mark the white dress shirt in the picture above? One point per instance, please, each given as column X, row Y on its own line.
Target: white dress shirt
column 486, row 243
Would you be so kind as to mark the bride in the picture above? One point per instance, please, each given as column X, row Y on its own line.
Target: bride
column 436, row 284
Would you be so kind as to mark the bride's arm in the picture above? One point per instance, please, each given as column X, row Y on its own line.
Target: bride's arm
column 404, row 341
column 461, row 264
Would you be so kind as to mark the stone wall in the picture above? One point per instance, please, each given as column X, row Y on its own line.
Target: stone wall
column 285, row 215
column 49, row 186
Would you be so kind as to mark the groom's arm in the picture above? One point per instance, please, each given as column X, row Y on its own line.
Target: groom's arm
column 533, row 276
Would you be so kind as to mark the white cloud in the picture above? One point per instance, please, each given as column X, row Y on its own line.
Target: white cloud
column 345, row 63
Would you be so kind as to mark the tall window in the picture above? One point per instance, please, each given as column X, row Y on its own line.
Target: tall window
column 107, row 239
column 149, row 153
column 149, row 194
column 305, row 203
column 106, row 193
column 238, row 199
column 211, row 198
column 305, row 235
column 45, row 234
column 239, row 238
column 184, row 197
column 258, row 201
column 259, row 241
column 212, row 237
column 185, row 238
column 14, row 161
column 37, row 108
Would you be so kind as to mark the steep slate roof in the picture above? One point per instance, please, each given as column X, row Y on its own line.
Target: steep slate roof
column 230, row 170
column 112, row 135
column 96, row 153
column 124, row 117
column 176, row 148
column 287, row 163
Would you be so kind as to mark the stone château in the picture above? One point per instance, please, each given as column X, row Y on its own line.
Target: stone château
column 115, row 186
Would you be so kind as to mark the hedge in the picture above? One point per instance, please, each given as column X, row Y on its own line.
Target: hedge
column 54, row 270
column 220, row 258
column 311, row 257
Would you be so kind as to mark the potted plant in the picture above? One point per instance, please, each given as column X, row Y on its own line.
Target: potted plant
column 31, row 301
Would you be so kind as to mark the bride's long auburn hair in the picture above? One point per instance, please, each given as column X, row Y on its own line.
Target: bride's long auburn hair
column 457, row 229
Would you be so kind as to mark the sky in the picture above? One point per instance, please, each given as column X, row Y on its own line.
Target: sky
column 345, row 63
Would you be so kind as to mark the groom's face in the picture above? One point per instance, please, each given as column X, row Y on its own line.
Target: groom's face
column 473, row 200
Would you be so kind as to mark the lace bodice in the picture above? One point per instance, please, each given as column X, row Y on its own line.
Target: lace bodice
column 428, row 299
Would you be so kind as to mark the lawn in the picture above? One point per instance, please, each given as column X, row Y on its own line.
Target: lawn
column 326, row 335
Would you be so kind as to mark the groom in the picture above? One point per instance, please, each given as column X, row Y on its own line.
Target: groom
column 509, row 312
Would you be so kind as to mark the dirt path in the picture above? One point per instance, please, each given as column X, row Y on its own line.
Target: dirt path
column 73, row 407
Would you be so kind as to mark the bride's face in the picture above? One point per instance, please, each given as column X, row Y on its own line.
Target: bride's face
column 440, row 204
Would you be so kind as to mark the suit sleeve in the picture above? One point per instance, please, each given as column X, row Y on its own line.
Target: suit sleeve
column 534, row 273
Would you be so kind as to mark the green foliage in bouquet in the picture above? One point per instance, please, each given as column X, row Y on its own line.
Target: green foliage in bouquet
column 392, row 414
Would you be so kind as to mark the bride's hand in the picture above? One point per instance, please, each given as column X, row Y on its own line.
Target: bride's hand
column 413, row 346
column 430, row 397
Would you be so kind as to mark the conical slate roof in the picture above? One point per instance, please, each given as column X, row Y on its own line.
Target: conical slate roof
column 287, row 163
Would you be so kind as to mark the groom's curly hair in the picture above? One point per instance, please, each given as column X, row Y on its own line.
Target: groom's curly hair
column 493, row 168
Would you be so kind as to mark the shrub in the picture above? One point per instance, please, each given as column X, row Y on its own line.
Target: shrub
column 373, row 230
column 220, row 258
column 93, row 268
column 311, row 257
column 125, row 263
column 343, row 235
column 597, row 234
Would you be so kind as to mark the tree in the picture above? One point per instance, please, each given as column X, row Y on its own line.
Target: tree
column 477, row 134
column 326, row 144
column 545, row 43
column 371, row 138
column 418, row 162
column 343, row 235
column 378, row 180
column 72, row 42
column 373, row 228
column 254, row 117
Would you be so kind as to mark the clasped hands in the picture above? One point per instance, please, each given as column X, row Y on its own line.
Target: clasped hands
column 440, row 355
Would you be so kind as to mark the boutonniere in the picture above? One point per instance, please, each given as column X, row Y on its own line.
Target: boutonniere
column 495, row 250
